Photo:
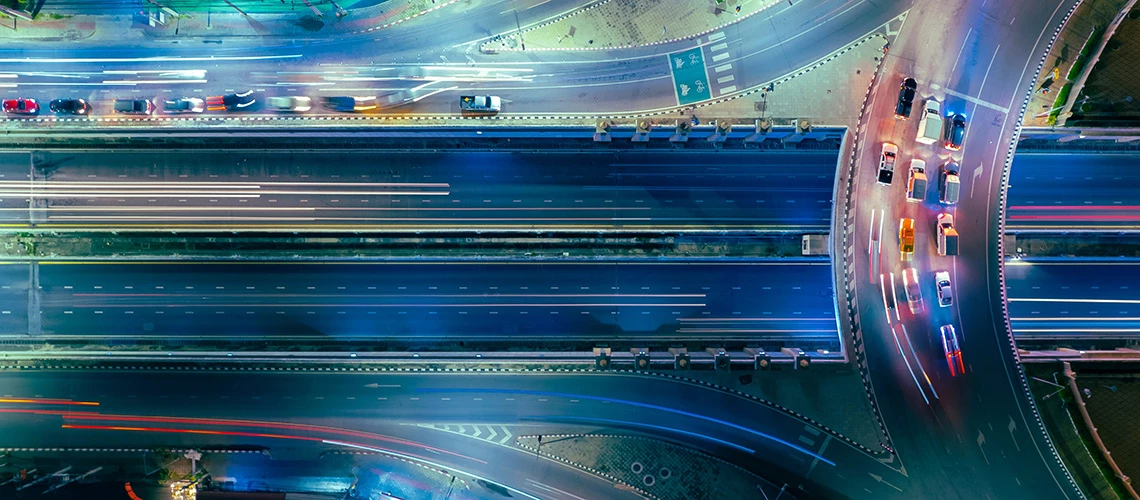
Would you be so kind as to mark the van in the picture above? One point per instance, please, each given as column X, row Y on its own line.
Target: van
column 947, row 235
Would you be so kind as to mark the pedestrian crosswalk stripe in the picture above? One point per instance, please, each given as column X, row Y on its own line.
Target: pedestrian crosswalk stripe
column 719, row 46
column 720, row 57
column 716, row 36
column 725, row 79
column 722, row 67
column 730, row 88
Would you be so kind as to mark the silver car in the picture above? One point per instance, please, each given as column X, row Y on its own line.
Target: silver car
column 290, row 104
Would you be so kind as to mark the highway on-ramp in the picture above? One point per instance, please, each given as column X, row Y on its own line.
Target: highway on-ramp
column 976, row 435
column 140, row 408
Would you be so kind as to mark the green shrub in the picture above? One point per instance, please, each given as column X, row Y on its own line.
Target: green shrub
column 1059, row 102
column 1083, row 57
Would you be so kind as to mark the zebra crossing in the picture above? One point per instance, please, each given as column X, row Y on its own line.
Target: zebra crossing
column 722, row 73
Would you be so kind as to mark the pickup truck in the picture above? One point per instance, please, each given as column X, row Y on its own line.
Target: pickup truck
column 906, row 98
column 887, row 158
column 947, row 235
column 480, row 103
column 950, row 183
column 916, row 181
column 930, row 128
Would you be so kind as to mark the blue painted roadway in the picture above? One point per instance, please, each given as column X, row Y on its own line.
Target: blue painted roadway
column 773, row 302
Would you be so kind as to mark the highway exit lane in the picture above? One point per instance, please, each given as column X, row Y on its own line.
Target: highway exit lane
column 403, row 190
column 774, row 301
column 755, row 436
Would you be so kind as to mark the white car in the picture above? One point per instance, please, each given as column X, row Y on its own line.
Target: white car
column 290, row 104
column 945, row 291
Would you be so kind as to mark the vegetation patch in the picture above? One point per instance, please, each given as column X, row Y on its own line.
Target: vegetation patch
column 1083, row 57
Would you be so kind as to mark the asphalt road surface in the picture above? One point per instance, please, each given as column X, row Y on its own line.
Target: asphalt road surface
column 1074, row 191
column 430, row 189
column 434, row 59
column 383, row 410
column 772, row 301
column 975, row 435
column 1074, row 298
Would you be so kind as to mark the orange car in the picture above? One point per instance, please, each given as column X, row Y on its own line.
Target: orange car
column 906, row 238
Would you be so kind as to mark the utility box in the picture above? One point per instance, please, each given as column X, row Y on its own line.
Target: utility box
column 815, row 244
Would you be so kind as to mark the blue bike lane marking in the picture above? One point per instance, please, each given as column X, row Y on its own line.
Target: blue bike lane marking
column 690, row 77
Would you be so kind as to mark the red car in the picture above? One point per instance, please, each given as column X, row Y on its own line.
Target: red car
column 21, row 106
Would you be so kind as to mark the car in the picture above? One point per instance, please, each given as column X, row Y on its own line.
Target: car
column 952, row 349
column 290, row 104
column 945, row 291
column 350, row 103
column 913, row 290
column 241, row 101
column 69, row 106
column 955, row 132
column 134, row 106
column 184, row 105
column 887, row 156
column 906, row 98
column 21, row 106
column 906, row 238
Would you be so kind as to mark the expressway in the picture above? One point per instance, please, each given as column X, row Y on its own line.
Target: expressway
column 1067, row 298
column 1073, row 191
column 195, row 408
column 433, row 59
column 410, row 189
column 981, row 62
column 768, row 301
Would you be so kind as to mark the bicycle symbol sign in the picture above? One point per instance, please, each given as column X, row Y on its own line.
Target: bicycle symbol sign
column 690, row 76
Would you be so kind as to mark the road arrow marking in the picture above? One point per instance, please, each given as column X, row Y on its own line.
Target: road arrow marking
column 1013, row 427
column 493, row 434
column 881, row 480
column 981, row 441
column 507, row 437
column 478, row 432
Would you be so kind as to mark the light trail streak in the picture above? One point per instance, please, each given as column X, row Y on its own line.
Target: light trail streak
column 433, row 464
column 537, row 305
column 103, row 60
column 910, row 345
column 908, row 367
column 47, row 401
column 1079, row 301
column 895, row 298
column 415, row 295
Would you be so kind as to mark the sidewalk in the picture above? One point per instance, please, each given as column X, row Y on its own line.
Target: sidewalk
column 615, row 24
column 318, row 21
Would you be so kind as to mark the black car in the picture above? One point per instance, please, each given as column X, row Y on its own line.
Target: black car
column 241, row 101
column 350, row 103
column 906, row 98
column 69, row 106
column 955, row 132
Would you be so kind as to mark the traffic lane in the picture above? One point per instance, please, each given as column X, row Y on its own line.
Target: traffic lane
column 927, row 437
column 15, row 167
column 419, row 188
column 14, row 298
column 620, row 87
column 1073, row 190
column 1073, row 298
column 754, row 300
column 704, row 417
